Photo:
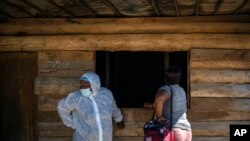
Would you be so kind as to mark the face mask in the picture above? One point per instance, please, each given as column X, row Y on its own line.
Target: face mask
column 85, row 92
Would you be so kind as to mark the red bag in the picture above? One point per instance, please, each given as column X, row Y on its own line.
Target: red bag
column 155, row 131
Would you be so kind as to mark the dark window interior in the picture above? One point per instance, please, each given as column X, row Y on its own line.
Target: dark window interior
column 134, row 77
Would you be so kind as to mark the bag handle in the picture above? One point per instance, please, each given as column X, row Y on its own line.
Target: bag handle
column 171, row 108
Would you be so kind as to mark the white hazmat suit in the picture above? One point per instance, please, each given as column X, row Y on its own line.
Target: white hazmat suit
column 91, row 117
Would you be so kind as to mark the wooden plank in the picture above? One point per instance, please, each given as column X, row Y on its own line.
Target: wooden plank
column 137, row 114
column 135, row 129
column 220, row 55
column 48, row 116
column 134, row 138
column 219, row 65
column 64, row 63
column 116, row 26
column 48, row 103
column 219, row 59
column 130, row 114
column 229, row 109
column 55, row 138
column 58, row 129
column 56, row 86
column 222, row 76
column 210, row 139
column 220, row 90
column 17, row 96
column 70, row 138
column 128, row 138
column 219, row 109
column 220, row 104
column 131, row 42
column 213, row 129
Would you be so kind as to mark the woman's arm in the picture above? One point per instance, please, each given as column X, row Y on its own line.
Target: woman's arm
column 160, row 98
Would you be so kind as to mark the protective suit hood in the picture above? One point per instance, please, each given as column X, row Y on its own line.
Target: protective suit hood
column 94, row 80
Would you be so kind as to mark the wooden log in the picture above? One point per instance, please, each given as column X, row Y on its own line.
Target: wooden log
column 135, row 129
column 56, row 86
column 70, row 138
column 220, row 90
column 219, row 64
column 216, row 54
column 222, row 76
column 55, row 138
column 202, row 109
column 48, row 103
column 116, row 26
column 64, row 63
column 213, row 129
column 210, row 139
column 128, row 138
column 219, row 59
column 48, row 116
column 130, row 114
column 130, row 42
column 219, row 109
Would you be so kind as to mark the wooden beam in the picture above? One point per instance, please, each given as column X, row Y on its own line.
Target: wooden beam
column 35, row 7
column 112, row 7
column 6, row 14
column 125, row 42
column 62, row 9
column 116, row 26
column 197, row 9
column 239, row 8
column 18, row 7
column 153, row 3
column 176, row 8
column 84, row 6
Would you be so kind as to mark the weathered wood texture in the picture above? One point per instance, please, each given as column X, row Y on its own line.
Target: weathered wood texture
column 222, row 76
column 18, row 101
column 116, row 26
column 134, row 138
column 58, row 75
column 64, row 64
column 220, row 73
column 129, row 42
column 219, row 109
column 119, row 8
column 135, row 129
column 219, row 81
column 229, row 109
column 220, row 59
column 204, row 119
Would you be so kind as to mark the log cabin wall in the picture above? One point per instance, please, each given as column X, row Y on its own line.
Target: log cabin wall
column 216, row 102
column 58, row 74
column 220, row 91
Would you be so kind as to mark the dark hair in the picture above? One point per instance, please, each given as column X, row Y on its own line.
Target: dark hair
column 173, row 75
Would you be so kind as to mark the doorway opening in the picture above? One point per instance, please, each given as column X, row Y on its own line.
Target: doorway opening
column 134, row 77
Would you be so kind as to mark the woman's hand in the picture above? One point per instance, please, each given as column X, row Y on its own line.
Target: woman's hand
column 121, row 124
column 163, row 121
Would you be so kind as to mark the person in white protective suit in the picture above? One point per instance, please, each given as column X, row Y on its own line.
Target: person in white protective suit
column 90, row 110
